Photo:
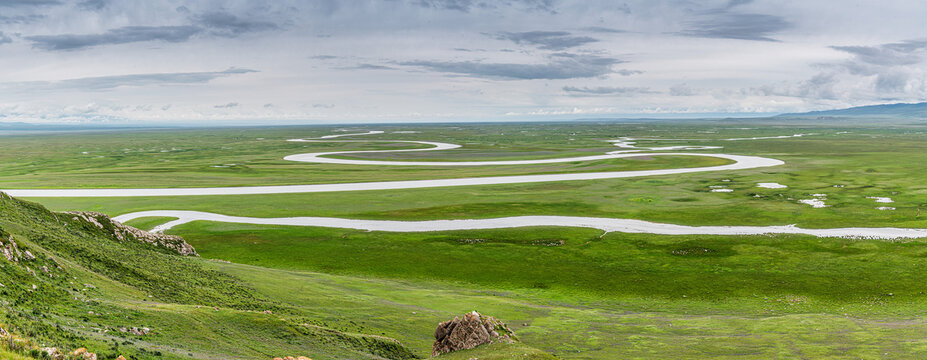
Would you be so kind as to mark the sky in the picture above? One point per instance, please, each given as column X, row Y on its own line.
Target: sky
column 363, row 61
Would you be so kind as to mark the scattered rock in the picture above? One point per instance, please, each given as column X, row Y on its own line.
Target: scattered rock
column 472, row 241
column 82, row 353
column 554, row 242
column 53, row 353
column 10, row 250
column 470, row 331
column 136, row 331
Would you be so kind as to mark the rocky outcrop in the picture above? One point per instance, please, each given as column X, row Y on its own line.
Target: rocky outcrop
column 124, row 232
column 10, row 250
column 470, row 331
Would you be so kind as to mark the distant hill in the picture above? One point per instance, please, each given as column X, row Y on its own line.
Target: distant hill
column 899, row 110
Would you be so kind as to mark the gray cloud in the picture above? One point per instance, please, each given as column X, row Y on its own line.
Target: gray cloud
column 367, row 67
column 821, row 86
column 17, row 3
column 894, row 54
column 548, row 40
column 735, row 3
column 110, row 82
column 468, row 5
column 222, row 23
column 890, row 71
column 227, row 106
column 681, row 90
column 890, row 68
column 559, row 66
column 4, row 39
column 93, row 4
column 459, row 5
column 595, row 91
column 123, row 35
column 323, row 106
column 722, row 24
column 892, row 81
column 626, row 72
column 21, row 19
column 600, row 29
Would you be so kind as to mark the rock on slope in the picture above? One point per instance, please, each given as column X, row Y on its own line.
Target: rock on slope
column 470, row 331
column 123, row 232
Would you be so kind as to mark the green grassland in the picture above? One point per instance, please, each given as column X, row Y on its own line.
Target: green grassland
column 241, row 157
column 866, row 162
column 573, row 293
column 588, row 265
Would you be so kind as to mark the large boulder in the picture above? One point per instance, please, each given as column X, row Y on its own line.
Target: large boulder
column 470, row 331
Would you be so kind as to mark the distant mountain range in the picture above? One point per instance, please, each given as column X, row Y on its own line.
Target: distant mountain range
column 899, row 110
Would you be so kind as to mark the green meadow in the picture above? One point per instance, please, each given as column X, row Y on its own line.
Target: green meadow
column 567, row 292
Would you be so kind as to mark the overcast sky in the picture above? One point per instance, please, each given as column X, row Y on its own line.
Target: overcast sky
column 329, row 61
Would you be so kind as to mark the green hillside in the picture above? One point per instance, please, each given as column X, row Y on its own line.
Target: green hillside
column 70, row 283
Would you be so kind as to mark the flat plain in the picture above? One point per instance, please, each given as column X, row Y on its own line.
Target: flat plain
column 570, row 292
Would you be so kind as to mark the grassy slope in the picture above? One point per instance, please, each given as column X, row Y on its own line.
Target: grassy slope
column 87, row 282
column 9, row 355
